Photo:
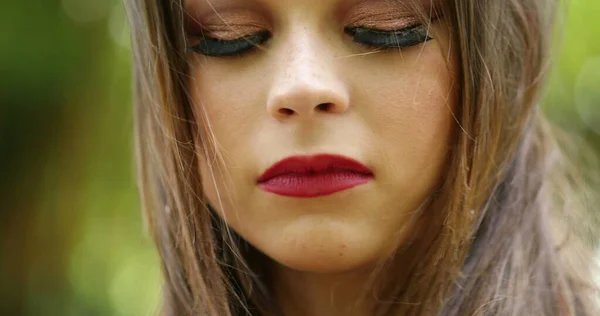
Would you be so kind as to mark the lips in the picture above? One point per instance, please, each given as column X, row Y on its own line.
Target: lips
column 313, row 176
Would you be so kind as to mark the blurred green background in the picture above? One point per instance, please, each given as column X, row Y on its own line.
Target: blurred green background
column 71, row 235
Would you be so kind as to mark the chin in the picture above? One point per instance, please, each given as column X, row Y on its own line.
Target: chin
column 322, row 248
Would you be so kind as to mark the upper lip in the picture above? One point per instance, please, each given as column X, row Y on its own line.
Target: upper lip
column 314, row 164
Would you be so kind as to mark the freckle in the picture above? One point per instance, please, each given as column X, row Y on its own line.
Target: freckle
column 341, row 254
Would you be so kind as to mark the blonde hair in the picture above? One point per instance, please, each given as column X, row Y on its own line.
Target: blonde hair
column 505, row 233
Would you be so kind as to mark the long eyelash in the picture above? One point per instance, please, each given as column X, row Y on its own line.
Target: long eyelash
column 230, row 48
column 373, row 38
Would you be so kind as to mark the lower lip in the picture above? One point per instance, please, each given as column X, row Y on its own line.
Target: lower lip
column 308, row 185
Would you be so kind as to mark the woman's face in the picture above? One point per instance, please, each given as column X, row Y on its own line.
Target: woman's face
column 318, row 89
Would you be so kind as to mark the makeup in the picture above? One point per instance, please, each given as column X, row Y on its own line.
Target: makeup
column 313, row 176
column 379, row 14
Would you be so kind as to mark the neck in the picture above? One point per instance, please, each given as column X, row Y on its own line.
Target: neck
column 311, row 294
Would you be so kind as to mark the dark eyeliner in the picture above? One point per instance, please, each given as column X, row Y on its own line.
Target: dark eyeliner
column 224, row 48
column 403, row 38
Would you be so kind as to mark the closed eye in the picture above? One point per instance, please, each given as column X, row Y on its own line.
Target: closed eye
column 368, row 37
column 381, row 39
column 224, row 48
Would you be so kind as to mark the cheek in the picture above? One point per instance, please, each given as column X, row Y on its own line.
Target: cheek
column 231, row 111
column 417, row 102
column 227, row 106
column 419, row 120
column 411, row 117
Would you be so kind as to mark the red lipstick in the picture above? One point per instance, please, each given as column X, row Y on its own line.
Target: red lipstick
column 312, row 176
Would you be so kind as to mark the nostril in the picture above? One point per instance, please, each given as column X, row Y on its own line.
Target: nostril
column 325, row 107
column 286, row 111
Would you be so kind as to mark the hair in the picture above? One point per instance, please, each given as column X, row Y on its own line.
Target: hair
column 508, row 233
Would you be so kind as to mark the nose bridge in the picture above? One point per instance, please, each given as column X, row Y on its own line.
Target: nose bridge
column 307, row 80
column 305, row 63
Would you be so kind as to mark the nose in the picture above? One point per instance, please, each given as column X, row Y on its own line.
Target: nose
column 307, row 84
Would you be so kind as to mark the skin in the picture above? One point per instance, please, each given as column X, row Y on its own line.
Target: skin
column 390, row 110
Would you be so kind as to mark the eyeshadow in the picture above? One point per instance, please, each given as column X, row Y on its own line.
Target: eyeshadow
column 229, row 23
column 381, row 14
